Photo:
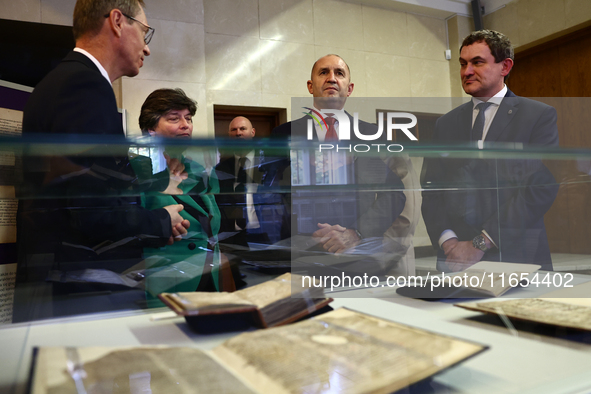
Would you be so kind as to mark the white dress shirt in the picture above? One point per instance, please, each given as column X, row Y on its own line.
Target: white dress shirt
column 251, row 217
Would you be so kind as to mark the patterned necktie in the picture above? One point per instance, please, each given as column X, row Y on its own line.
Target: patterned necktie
column 331, row 133
column 478, row 127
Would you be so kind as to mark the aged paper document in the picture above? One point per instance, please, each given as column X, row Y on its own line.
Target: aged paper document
column 7, row 282
column 341, row 351
column 11, row 122
column 8, row 209
column 568, row 307
column 134, row 370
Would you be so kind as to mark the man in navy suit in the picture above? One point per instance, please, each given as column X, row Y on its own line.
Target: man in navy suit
column 77, row 98
column 245, row 176
column 490, row 209
column 372, row 213
column 93, row 218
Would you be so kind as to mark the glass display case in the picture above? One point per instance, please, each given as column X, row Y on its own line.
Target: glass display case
column 89, row 241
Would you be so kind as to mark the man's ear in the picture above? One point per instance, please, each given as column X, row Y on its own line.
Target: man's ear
column 116, row 20
column 152, row 133
column 350, row 88
column 253, row 132
column 507, row 66
column 310, row 87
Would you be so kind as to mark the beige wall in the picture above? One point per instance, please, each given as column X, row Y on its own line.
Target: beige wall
column 259, row 52
column 458, row 28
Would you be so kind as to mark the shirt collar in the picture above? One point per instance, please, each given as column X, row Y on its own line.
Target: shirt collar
column 96, row 63
column 249, row 156
column 320, row 111
column 496, row 99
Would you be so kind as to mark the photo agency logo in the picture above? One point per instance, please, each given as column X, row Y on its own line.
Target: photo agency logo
column 346, row 131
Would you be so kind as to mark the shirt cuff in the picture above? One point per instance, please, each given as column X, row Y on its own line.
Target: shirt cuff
column 446, row 235
column 490, row 239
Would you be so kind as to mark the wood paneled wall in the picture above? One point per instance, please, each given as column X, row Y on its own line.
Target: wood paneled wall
column 560, row 72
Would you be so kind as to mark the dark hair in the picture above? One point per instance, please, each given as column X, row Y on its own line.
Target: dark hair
column 90, row 14
column 330, row 54
column 160, row 102
column 498, row 43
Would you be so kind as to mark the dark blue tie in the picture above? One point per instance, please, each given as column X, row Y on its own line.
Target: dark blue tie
column 478, row 127
column 240, row 196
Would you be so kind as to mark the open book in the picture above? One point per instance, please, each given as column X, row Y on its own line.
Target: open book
column 567, row 307
column 483, row 279
column 341, row 351
column 282, row 300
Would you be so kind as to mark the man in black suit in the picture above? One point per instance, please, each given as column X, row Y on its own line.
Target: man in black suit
column 373, row 213
column 496, row 209
column 92, row 219
column 77, row 98
column 245, row 175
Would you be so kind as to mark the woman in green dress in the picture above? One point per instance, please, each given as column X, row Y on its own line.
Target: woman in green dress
column 195, row 262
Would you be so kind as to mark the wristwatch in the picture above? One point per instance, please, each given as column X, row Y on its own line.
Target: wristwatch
column 479, row 243
column 358, row 233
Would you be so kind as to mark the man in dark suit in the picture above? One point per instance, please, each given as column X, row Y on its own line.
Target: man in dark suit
column 245, row 176
column 91, row 220
column 77, row 98
column 490, row 209
column 373, row 213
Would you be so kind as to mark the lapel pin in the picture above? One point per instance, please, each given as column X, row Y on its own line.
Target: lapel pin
column 510, row 111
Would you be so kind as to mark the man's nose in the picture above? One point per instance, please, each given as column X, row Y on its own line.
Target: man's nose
column 468, row 69
column 331, row 76
column 184, row 123
column 146, row 50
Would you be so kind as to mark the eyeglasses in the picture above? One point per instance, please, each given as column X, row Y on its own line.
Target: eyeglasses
column 147, row 35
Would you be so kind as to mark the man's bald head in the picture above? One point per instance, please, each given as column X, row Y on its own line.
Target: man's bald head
column 330, row 82
column 325, row 56
column 241, row 127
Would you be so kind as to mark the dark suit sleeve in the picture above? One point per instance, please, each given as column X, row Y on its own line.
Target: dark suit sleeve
column 224, row 198
column 433, row 206
column 380, row 209
column 533, row 187
column 509, row 196
column 76, row 99
column 387, row 205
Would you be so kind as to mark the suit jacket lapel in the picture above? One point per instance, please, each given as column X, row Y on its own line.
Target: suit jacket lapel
column 257, row 174
column 504, row 115
column 81, row 58
column 225, row 173
column 465, row 122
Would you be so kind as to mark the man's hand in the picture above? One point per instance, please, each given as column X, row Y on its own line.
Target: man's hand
column 173, row 184
column 179, row 224
column 460, row 255
column 177, row 173
column 336, row 239
column 175, row 167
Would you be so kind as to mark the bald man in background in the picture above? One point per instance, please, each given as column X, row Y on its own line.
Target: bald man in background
column 244, row 175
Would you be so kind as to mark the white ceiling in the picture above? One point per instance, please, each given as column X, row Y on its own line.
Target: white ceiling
column 437, row 8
